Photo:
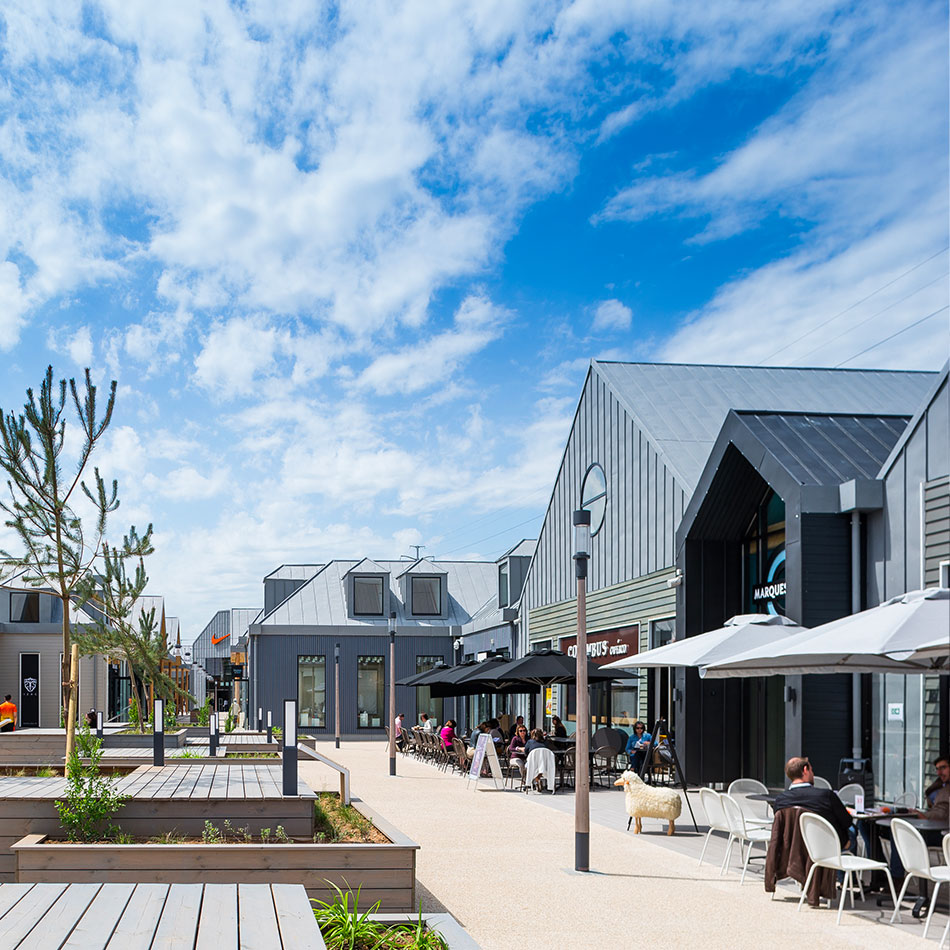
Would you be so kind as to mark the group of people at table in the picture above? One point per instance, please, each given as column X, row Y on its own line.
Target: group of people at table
column 519, row 741
column 803, row 792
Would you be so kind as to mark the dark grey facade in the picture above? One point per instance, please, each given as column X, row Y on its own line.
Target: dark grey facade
column 277, row 679
column 804, row 459
column 291, row 647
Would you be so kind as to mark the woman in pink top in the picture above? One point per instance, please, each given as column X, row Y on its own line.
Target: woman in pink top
column 448, row 734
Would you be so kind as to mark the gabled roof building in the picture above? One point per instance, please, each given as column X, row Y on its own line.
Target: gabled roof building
column 704, row 482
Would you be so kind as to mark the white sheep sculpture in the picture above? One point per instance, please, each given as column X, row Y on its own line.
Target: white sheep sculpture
column 647, row 801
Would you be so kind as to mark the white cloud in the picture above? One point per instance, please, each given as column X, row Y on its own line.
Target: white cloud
column 187, row 484
column 425, row 364
column 233, row 354
column 611, row 316
column 77, row 345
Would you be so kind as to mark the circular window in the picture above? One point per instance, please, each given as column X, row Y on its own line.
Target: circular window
column 594, row 497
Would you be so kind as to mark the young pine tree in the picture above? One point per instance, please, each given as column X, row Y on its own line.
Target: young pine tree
column 59, row 547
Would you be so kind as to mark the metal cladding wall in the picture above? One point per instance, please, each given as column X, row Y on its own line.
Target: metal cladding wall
column 916, row 491
column 275, row 673
column 644, row 505
column 277, row 591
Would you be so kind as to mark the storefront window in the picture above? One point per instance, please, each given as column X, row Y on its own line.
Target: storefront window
column 312, row 691
column 764, row 552
column 425, row 702
column 370, row 691
column 895, row 737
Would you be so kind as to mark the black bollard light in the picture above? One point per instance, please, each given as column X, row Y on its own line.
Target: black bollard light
column 213, row 735
column 270, row 726
column 158, row 733
column 98, row 724
column 260, row 719
column 290, row 746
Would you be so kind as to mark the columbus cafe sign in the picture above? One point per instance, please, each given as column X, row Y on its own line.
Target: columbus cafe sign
column 607, row 646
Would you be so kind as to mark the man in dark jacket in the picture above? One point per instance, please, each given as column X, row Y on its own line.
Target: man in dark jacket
column 821, row 801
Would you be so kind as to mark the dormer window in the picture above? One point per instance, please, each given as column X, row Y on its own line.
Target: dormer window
column 503, row 584
column 25, row 607
column 367, row 596
column 426, row 596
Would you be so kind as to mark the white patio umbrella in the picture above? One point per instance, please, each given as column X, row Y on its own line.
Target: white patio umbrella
column 883, row 639
column 738, row 634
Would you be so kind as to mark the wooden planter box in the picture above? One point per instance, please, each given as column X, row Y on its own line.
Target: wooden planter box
column 385, row 872
column 115, row 740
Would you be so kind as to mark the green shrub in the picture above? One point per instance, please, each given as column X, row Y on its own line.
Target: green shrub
column 91, row 801
column 204, row 713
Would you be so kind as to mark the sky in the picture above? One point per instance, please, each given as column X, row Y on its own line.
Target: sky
column 348, row 263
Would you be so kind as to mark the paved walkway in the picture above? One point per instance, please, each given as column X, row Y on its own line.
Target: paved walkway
column 502, row 864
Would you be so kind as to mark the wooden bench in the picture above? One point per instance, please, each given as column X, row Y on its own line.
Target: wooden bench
column 157, row 916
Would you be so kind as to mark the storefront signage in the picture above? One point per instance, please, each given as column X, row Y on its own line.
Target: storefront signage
column 606, row 647
column 769, row 591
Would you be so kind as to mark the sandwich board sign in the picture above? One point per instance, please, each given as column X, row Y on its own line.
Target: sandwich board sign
column 485, row 749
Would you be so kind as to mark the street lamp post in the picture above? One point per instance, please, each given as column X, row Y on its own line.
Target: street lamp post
column 336, row 691
column 462, row 701
column 392, row 692
column 582, row 749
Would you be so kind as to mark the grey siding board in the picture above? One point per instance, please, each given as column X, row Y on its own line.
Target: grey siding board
column 938, row 445
column 920, row 458
column 277, row 672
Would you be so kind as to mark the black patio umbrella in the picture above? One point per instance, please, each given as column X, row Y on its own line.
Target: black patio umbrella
column 469, row 678
column 417, row 679
column 546, row 668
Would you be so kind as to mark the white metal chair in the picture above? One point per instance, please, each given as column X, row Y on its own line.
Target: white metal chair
column 822, row 783
column 847, row 792
column 946, row 857
column 824, row 849
column 740, row 832
column 715, row 816
column 915, row 857
column 756, row 813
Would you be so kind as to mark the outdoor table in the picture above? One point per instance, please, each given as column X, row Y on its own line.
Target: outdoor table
column 223, row 916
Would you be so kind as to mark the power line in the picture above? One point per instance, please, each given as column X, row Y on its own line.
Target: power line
column 857, row 303
column 489, row 538
column 493, row 515
column 890, row 306
column 886, row 339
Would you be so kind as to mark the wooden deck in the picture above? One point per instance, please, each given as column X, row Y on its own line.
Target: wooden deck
column 174, row 798
column 142, row 916
column 179, row 781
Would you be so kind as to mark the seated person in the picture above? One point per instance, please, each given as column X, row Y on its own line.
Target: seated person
column 518, row 722
column 557, row 728
column 637, row 746
column 473, row 738
column 447, row 734
column 938, row 793
column 535, row 742
column 938, row 809
column 494, row 730
column 516, row 748
column 821, row 801
column 427, row 723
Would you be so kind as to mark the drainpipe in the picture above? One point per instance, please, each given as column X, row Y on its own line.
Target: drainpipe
column 856, row 737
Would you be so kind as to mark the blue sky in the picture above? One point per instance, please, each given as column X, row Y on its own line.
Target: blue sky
column 348, row 263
